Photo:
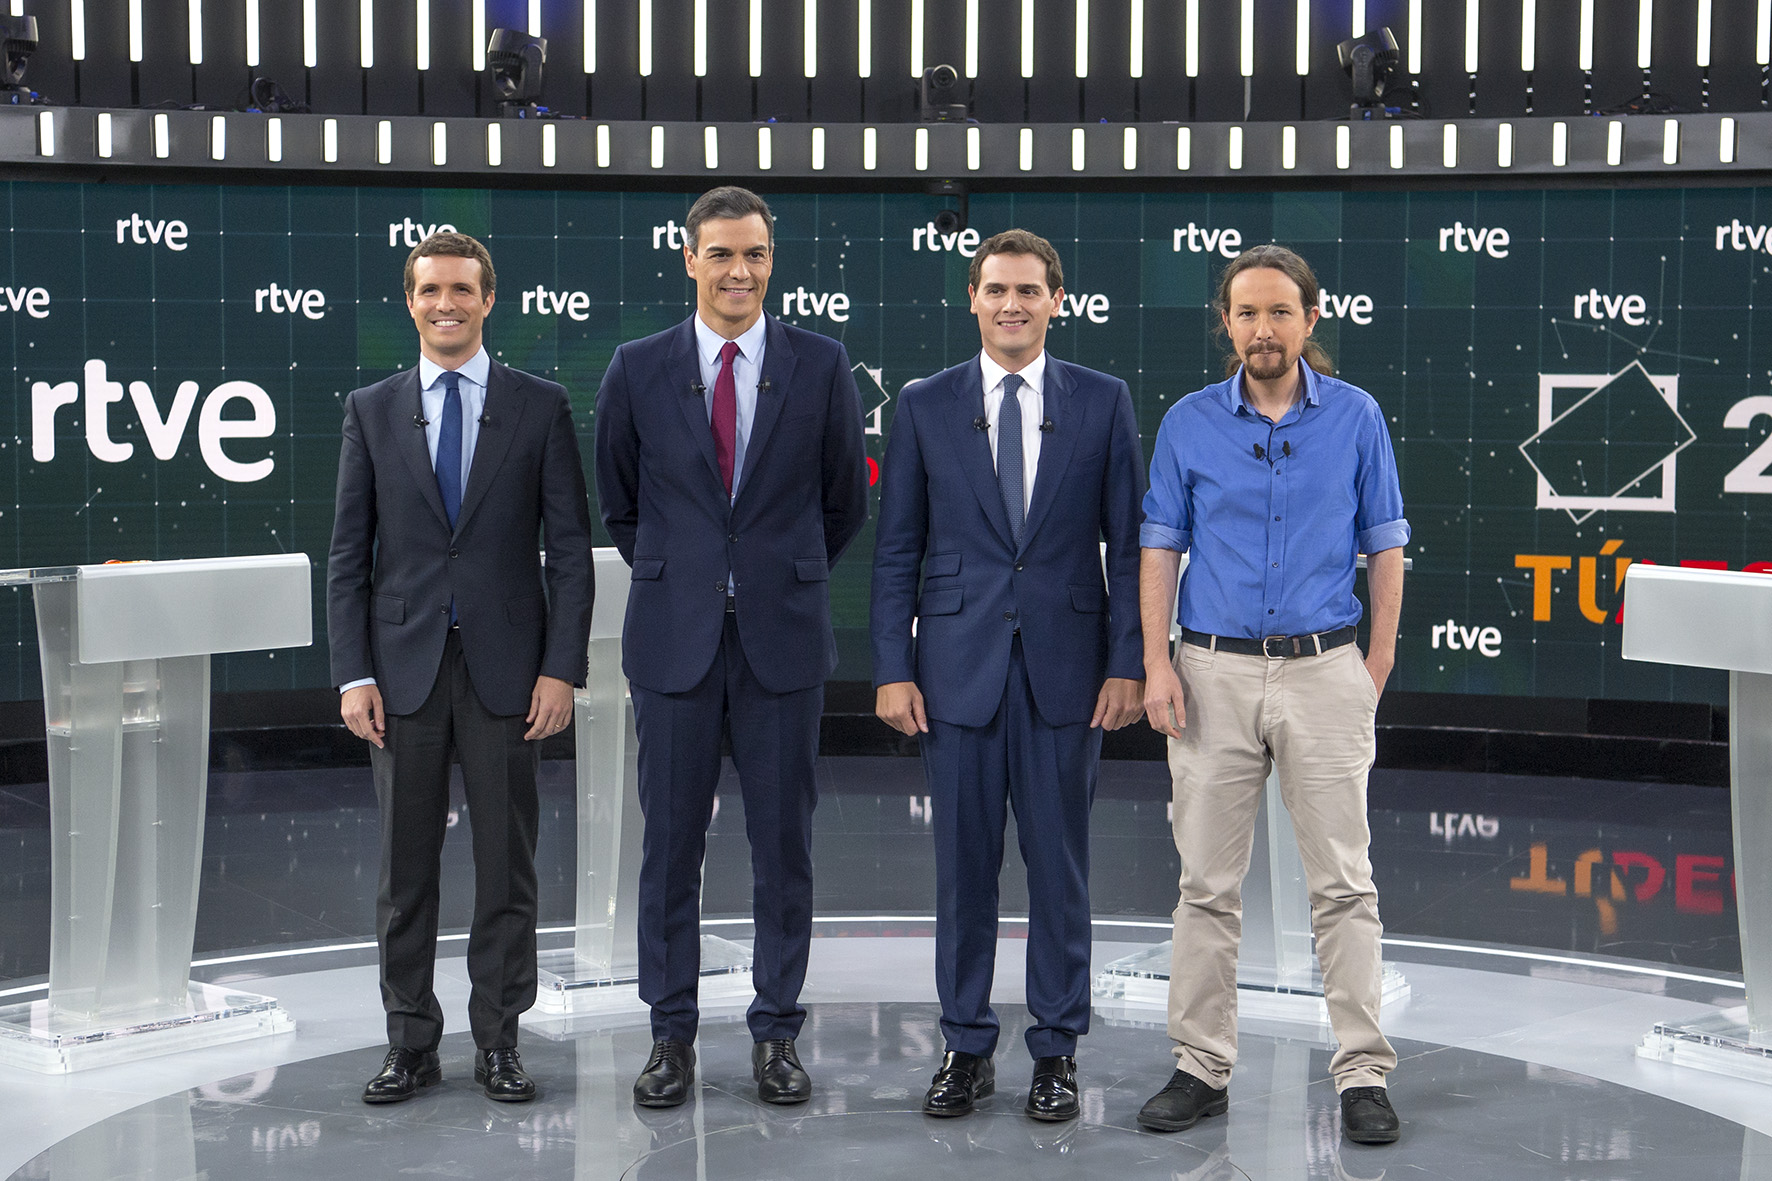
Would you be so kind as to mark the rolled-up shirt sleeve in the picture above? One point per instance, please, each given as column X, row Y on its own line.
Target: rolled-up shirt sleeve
column 1379, row 523
column 1168, row 516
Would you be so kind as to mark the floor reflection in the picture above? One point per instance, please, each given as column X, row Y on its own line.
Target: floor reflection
column 1465, row 1114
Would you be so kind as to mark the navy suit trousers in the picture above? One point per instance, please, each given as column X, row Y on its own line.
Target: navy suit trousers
column 774, row 739
column 1047, row 774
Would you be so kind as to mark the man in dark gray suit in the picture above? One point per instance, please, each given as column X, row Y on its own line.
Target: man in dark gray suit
column 445, row 644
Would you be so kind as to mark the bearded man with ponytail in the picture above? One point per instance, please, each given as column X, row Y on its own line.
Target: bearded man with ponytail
column 1273, row 481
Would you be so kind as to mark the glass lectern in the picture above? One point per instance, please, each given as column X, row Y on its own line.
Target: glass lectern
column 599, row 974
column 125, row 652
column 1722, row 619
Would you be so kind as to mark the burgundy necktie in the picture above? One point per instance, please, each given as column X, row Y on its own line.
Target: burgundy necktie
column 725, row 417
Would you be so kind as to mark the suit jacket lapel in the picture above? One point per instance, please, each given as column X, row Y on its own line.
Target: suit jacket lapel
column 405, row 427
column 498, row 425
column 1056, row 448
column 772, row 392
column 684, row 369
column 973, row 446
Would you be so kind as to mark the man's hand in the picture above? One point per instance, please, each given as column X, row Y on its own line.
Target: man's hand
column 900, row 705
column 1120, row 702
column 362, row 711
column 1163, row 706
column 550, row 708
column 1379, row 669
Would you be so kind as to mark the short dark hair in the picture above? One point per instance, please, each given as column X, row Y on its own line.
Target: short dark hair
column 1275, row 257
column 1018, row 242
column 728, row 202
column 455, row 245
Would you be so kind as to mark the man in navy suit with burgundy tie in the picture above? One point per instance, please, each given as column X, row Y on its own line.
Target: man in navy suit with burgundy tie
column 731, row 475
column 450, row 641
column 1002, row 478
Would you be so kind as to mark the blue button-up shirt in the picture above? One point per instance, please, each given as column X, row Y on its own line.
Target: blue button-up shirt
column 471, row 385
column 1272, row 539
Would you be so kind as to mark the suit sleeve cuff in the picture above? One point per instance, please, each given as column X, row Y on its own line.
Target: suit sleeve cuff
column 1154, row 536
column 1379, row 538
column 357, row 684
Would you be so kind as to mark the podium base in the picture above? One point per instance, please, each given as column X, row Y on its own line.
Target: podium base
column 33, row 1038
column 566, row 986
column 1721, row 1043
column 1141, row 981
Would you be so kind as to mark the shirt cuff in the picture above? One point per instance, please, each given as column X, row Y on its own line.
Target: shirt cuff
column 1379, row 538
column 1154, row 536
column 349, row 685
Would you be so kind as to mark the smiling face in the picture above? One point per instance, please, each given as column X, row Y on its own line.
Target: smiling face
column 730, row 265
column 1267, row 322
column 448, row 308
column 1013, row 306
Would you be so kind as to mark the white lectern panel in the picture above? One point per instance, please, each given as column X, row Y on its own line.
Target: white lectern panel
column 152, row 610
column 1699, row 618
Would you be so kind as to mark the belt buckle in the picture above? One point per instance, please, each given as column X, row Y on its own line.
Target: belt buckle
column 1267, row 649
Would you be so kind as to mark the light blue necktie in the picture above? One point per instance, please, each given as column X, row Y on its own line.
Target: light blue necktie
column 449, row 447
column 1010, row 477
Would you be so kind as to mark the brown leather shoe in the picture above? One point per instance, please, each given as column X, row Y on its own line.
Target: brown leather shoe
column 402, row 1073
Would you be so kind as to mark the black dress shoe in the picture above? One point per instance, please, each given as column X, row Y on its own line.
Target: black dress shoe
column 1183, row 1100
column 501, row 1073
column 1053, row 1095
column 1367, row 1116
column 402, row 1073
column 776, row 1067
column 670, row 1070
column 960, row 1082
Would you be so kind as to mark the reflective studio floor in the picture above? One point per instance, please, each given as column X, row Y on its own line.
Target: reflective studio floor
column 1532, row 976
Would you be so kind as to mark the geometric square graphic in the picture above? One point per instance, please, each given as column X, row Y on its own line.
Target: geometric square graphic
column 1601, row 452
column 869, row 384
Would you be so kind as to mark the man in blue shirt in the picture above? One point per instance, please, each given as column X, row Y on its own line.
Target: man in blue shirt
column 1272, row 481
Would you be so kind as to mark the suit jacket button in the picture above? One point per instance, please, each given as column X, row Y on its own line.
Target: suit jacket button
column 455, row 553
column 732, row 537
column 444, row 609
column 1018, row 567
column 1010, row 615
column 720, row 586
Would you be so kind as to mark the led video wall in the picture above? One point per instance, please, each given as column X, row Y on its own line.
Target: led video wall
column 1574, row 380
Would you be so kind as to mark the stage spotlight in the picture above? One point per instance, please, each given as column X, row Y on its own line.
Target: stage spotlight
column 938, row 96
column 1370, row 61
column 515, row 61
column 18, row 41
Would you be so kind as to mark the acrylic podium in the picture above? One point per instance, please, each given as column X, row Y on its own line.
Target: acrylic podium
column 1278, row 976
column 599, row 974
column 125, row 652
column 1722, row 619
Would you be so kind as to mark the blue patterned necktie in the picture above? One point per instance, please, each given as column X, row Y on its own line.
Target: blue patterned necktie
column 1010, row 476
column 449, row 447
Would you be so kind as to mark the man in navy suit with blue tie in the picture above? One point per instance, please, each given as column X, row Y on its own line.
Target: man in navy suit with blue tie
column 731, row 475
column 1003, row 477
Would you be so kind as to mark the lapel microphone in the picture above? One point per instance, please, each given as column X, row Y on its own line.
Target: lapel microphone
column 697, row 389
column 1286, row 450
column 486, row 420
column 1046, row 427
column 981, row 423
column 420, row 421
column 765, row 386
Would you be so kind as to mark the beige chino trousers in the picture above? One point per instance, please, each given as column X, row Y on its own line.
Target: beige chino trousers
column 1311, row 717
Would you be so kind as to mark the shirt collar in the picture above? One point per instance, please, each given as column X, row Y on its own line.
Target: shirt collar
column 477, row 370
column 1033, row 374
column 708, row 342
column 1233, row 389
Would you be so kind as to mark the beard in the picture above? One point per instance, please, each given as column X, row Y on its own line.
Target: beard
column 1267, row 365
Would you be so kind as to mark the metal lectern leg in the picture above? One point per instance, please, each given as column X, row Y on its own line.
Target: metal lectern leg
column 1750, row 790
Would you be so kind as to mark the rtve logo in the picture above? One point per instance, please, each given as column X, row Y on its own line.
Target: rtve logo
column 33, row 301
column 145, row 231
column 1740, row 237
column 289, row 300
column 927, row 237
column 1461, row 239
column 1200, row 240
column 164, row 434
column 801, row 302
column 1357, row 308
column 669, row 236
column 1632, row 309
column 540, row 301
column 409, row 233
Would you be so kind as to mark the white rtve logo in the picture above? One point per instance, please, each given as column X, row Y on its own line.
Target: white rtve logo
column 164, row 434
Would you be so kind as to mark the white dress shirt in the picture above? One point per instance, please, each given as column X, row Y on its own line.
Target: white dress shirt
column 1032, row 397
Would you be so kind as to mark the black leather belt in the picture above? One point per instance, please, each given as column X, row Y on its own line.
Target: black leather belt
column 1273, row 647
